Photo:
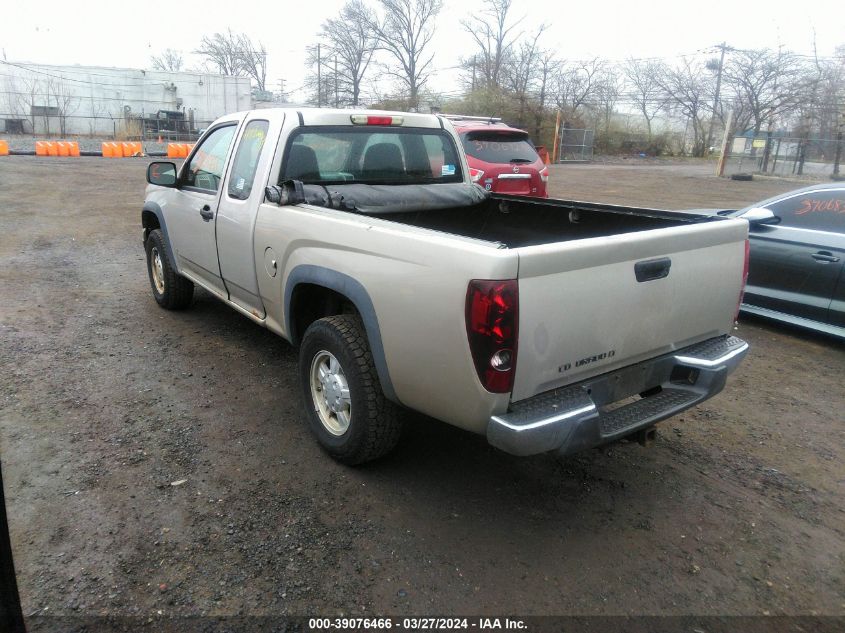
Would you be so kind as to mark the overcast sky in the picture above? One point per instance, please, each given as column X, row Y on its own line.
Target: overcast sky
column 125, row 34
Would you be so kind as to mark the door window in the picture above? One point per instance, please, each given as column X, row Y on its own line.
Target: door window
column 206, row 167
column 822, row 210
column 246, row 159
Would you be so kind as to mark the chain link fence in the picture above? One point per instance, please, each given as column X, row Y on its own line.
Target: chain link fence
column 575, row 145
column 46, row 123
column 784, row 156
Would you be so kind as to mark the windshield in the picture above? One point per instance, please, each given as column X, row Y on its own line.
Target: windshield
column 499, row 147
column 371, row 155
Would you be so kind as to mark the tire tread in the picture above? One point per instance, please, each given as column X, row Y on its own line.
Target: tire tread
column 178, row 291
column 382, row 423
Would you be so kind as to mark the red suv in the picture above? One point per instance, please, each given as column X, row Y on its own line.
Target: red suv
column 501, row 158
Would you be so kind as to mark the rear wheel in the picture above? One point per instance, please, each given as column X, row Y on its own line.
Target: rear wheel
column 170, row 289
column 346, row 409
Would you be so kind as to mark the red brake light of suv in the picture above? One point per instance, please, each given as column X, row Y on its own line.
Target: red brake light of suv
column 492, row 320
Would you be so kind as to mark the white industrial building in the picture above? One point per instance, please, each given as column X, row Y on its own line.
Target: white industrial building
column 127, row 103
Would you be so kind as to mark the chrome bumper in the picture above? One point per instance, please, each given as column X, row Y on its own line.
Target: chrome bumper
column 578, row 417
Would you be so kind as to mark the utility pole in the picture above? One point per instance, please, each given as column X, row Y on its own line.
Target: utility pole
column 282, row 90
column 726, row 140
column 319, row 78
column 557, row 131
column 724, row 47
column 838, row 156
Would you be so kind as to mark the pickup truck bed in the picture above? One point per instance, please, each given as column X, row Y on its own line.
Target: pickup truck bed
column 514, row 222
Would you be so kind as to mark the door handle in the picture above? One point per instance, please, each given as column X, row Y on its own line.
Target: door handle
column 825, row 256
column 652, row 269
column 206, row 213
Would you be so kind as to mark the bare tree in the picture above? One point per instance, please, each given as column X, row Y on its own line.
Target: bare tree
column 65, row 100
column 235, row 54
column 608, row 90
column 170, row 61
column 688, row 89
column 576, row 84
column 645, row 92
column 14, row 98
column 492, row 35
column 548, row 65
column 404, row 31
column 222, row 51
column 30, row 98
column 253, row 60
column 520, row 69
column 352, row 42
column 764, row 80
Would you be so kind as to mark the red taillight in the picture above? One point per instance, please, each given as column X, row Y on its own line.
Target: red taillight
column 544, row 174
column 475, row 174
column 744, row 277
column 492, row 316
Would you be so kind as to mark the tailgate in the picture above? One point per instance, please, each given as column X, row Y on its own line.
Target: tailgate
column 583, row 311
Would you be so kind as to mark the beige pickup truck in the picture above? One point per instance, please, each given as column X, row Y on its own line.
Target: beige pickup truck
column 546, row 325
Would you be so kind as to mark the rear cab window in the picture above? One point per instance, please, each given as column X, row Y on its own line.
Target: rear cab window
column 371, row 155
column 493, row 146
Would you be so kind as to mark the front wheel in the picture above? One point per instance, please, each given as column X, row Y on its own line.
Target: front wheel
column 170, row 289
column 346, row 409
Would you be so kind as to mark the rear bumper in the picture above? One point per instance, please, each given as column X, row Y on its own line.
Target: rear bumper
column 578, row 417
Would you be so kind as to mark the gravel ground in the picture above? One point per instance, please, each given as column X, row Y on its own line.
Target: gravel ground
column 159, row 463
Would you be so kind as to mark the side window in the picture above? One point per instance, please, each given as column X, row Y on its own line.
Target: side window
column 206, row 167
column 819, row 210
column 246, row 159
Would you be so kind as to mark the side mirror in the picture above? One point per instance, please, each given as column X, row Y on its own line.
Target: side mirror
column 162, row 174
column 760, row 215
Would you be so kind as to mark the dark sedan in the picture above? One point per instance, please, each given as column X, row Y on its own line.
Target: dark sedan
column 797, row 253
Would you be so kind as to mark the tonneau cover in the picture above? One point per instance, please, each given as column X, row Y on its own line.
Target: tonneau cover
column 385, row 199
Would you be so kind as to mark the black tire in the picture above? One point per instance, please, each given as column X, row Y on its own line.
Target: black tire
column 176, row 292
column 742, row 177
column 374, row 425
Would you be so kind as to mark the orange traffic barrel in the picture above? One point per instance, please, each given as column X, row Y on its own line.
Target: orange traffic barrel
column 131, row 148
column 116, row 150
column 74, row 148
column 62, row 149
column 52, row 148
column 4, row 148
column 107, row 150
column 40, row 148
column 173, row 150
